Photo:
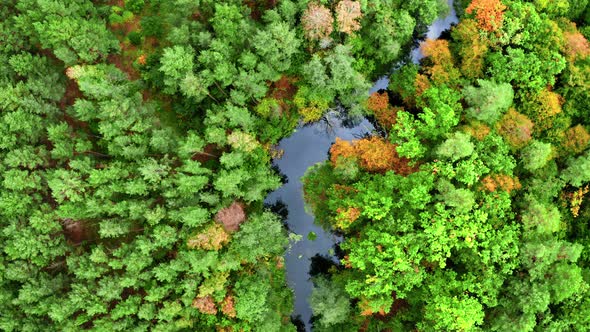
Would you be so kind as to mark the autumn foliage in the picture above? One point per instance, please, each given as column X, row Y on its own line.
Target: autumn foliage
column 472, row 49
column 549, row 104
column 437, row 50
column 488, row 13
column 575, row 199
column 477, row 130
column 347, row 216
column 373, row 154
column 577, row 46
column 516, row 128
column 317, row 22
column 501, row 182
column 576, row 139
column 442, row 69
column 378, row 103
column 544, row 106
column 231, row 217
column 228, row 306
column 213, row 238
column 205, row 305
column 347, row 14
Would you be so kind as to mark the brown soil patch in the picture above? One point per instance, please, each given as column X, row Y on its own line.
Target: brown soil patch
column 125, row 63
column 258, row 7
column 72, row 93
column 284, row 88
column 210, row 152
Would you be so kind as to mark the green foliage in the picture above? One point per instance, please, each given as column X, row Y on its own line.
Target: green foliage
column 135, row 5
column 66, row 29
column 151, row 26
column 456, row 147
column 577, row 171
column 251, row 299
column 488, row 101
column 329, row 77
column 177, row 63
column 536, row 155
column 387, row 28
column 329, row 302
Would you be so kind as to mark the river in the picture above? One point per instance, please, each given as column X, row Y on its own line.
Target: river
column 306, row 147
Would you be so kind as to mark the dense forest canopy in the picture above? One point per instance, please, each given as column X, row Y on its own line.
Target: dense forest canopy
column 468, row 213
column 136, row 139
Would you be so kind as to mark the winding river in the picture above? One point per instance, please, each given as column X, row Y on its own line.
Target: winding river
column 306, row 147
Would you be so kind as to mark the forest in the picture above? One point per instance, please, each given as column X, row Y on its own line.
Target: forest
column 138, row 141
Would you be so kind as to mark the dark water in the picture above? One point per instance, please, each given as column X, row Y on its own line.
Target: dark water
column 306, row 147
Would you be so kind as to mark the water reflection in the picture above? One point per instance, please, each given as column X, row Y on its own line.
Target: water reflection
column 306, row 147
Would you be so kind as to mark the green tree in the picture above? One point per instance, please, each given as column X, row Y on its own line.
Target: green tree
column 177, row 63
column 536, row 155
column 329, row 302
column 488, row 101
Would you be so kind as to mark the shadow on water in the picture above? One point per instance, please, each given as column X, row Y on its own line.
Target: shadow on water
column 306, row 147
column 321, row 264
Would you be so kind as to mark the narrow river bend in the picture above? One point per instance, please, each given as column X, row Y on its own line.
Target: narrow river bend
column 306, row 147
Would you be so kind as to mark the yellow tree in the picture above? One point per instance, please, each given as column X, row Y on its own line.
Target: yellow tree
column 347, row 15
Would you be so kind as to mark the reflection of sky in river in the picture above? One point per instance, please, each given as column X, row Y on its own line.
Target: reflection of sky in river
column 306, row 147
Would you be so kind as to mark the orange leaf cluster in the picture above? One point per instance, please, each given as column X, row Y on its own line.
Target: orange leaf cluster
column 421, row 83
column 478, row 130
column 386, row 115
column 488, row 13
column 378, row 101
column 438, row 50
column 576, row 139
column 317, row 21
column 516, row 128
column 347, row 13
column 231, row 217
column 142, row 59
column 228, row 306
column 376, row 154
column 205, row 305
column 346, row 262
column 365, row 306
column 341, row 148
column 501, row 181
column 280, row 260
column 373, row 154
column 213, row 238
column 442, row 69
